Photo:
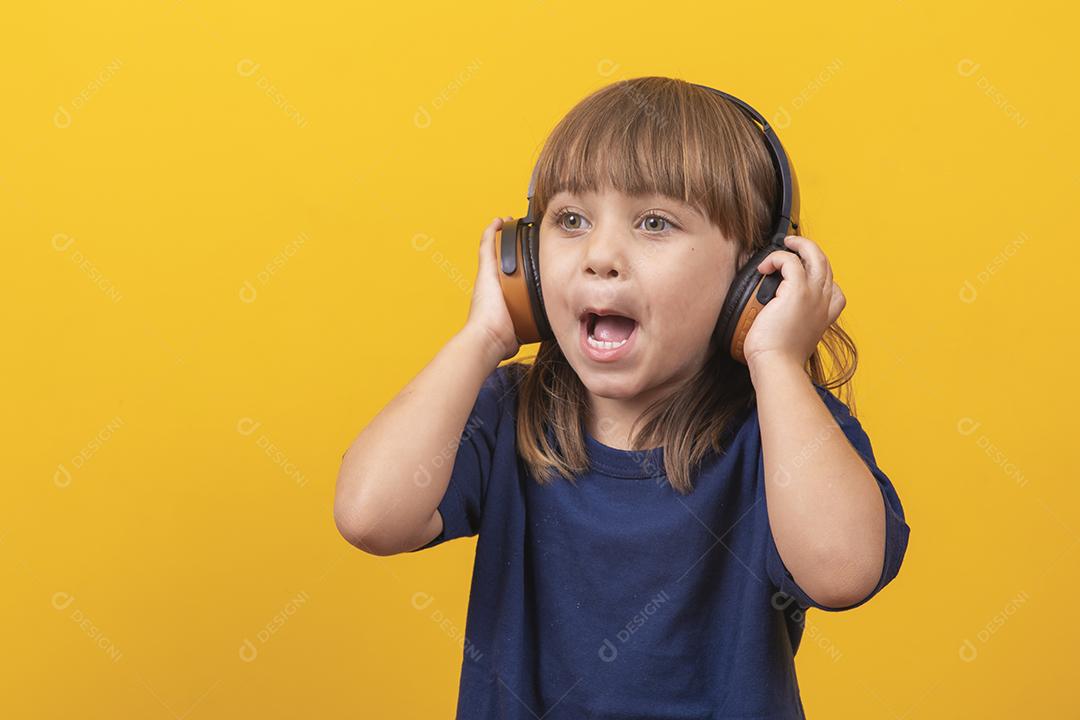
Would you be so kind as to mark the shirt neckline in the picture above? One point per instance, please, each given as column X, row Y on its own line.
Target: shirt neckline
column 624, row 463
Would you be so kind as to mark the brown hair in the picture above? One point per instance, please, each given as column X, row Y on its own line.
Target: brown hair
column 666, row 136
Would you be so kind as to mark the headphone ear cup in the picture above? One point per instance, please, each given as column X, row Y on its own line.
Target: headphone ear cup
column 532, row 271
column 518, row 266
column 748, row 294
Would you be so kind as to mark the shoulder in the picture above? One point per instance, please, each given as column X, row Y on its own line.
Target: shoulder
column 499, row 390
column 836, row 406
column 847, row 422
column 506, row 379
column 841, row 413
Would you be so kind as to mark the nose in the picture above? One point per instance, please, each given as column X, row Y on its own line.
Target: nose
column 605, row 253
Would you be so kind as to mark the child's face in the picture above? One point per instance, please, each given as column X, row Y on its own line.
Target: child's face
column 651, row 258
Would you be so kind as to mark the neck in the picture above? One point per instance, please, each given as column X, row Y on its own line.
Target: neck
column 610, row 419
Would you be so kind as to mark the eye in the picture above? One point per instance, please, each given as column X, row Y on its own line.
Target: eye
column 654, row 223
column 574, row 221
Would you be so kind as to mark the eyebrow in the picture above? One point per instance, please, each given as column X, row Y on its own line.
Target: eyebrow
column 676, row 204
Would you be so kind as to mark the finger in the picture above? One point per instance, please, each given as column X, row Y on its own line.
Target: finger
column 817, row 265
column 789, row 265
column 828, row 283
column 837, row 302
column 487, row 242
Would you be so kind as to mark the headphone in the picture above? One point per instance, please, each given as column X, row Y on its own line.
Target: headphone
column 517, row 250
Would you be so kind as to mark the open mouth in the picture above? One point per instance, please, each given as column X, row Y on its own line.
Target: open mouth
column 607, row 331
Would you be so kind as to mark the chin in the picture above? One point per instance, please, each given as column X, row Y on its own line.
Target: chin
column 610, row 382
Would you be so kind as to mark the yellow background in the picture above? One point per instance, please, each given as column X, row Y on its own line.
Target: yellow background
column 211, row 283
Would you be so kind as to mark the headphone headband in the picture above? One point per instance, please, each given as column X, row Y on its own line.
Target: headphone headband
column 789, row 209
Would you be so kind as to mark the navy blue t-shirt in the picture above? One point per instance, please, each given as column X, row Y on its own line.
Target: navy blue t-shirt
column 618, row 597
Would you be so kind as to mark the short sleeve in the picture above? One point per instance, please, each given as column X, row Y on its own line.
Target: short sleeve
column 461, row 505
column 896, row 527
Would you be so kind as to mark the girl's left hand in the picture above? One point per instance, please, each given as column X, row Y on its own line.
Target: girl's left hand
column 806, row 303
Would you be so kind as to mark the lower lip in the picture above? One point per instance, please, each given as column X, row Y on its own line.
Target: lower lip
column 601, row 355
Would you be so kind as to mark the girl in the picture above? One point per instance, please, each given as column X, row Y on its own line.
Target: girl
column 653, row 525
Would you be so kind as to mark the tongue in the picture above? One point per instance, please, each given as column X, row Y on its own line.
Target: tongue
column 613, row 328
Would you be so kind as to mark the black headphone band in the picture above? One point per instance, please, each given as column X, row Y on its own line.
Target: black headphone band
column 776, row 152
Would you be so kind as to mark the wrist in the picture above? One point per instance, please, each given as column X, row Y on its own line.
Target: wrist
column 484, row 342
column 772, row 363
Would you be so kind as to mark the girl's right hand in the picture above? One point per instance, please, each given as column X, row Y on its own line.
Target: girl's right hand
column 488, row 312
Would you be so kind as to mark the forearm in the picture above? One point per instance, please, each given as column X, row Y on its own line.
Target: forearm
column 396, row 471
column 825, row 508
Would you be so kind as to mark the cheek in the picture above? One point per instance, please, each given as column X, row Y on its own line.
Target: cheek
column 684, row 315
column 690, row 303
column 554, row 281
